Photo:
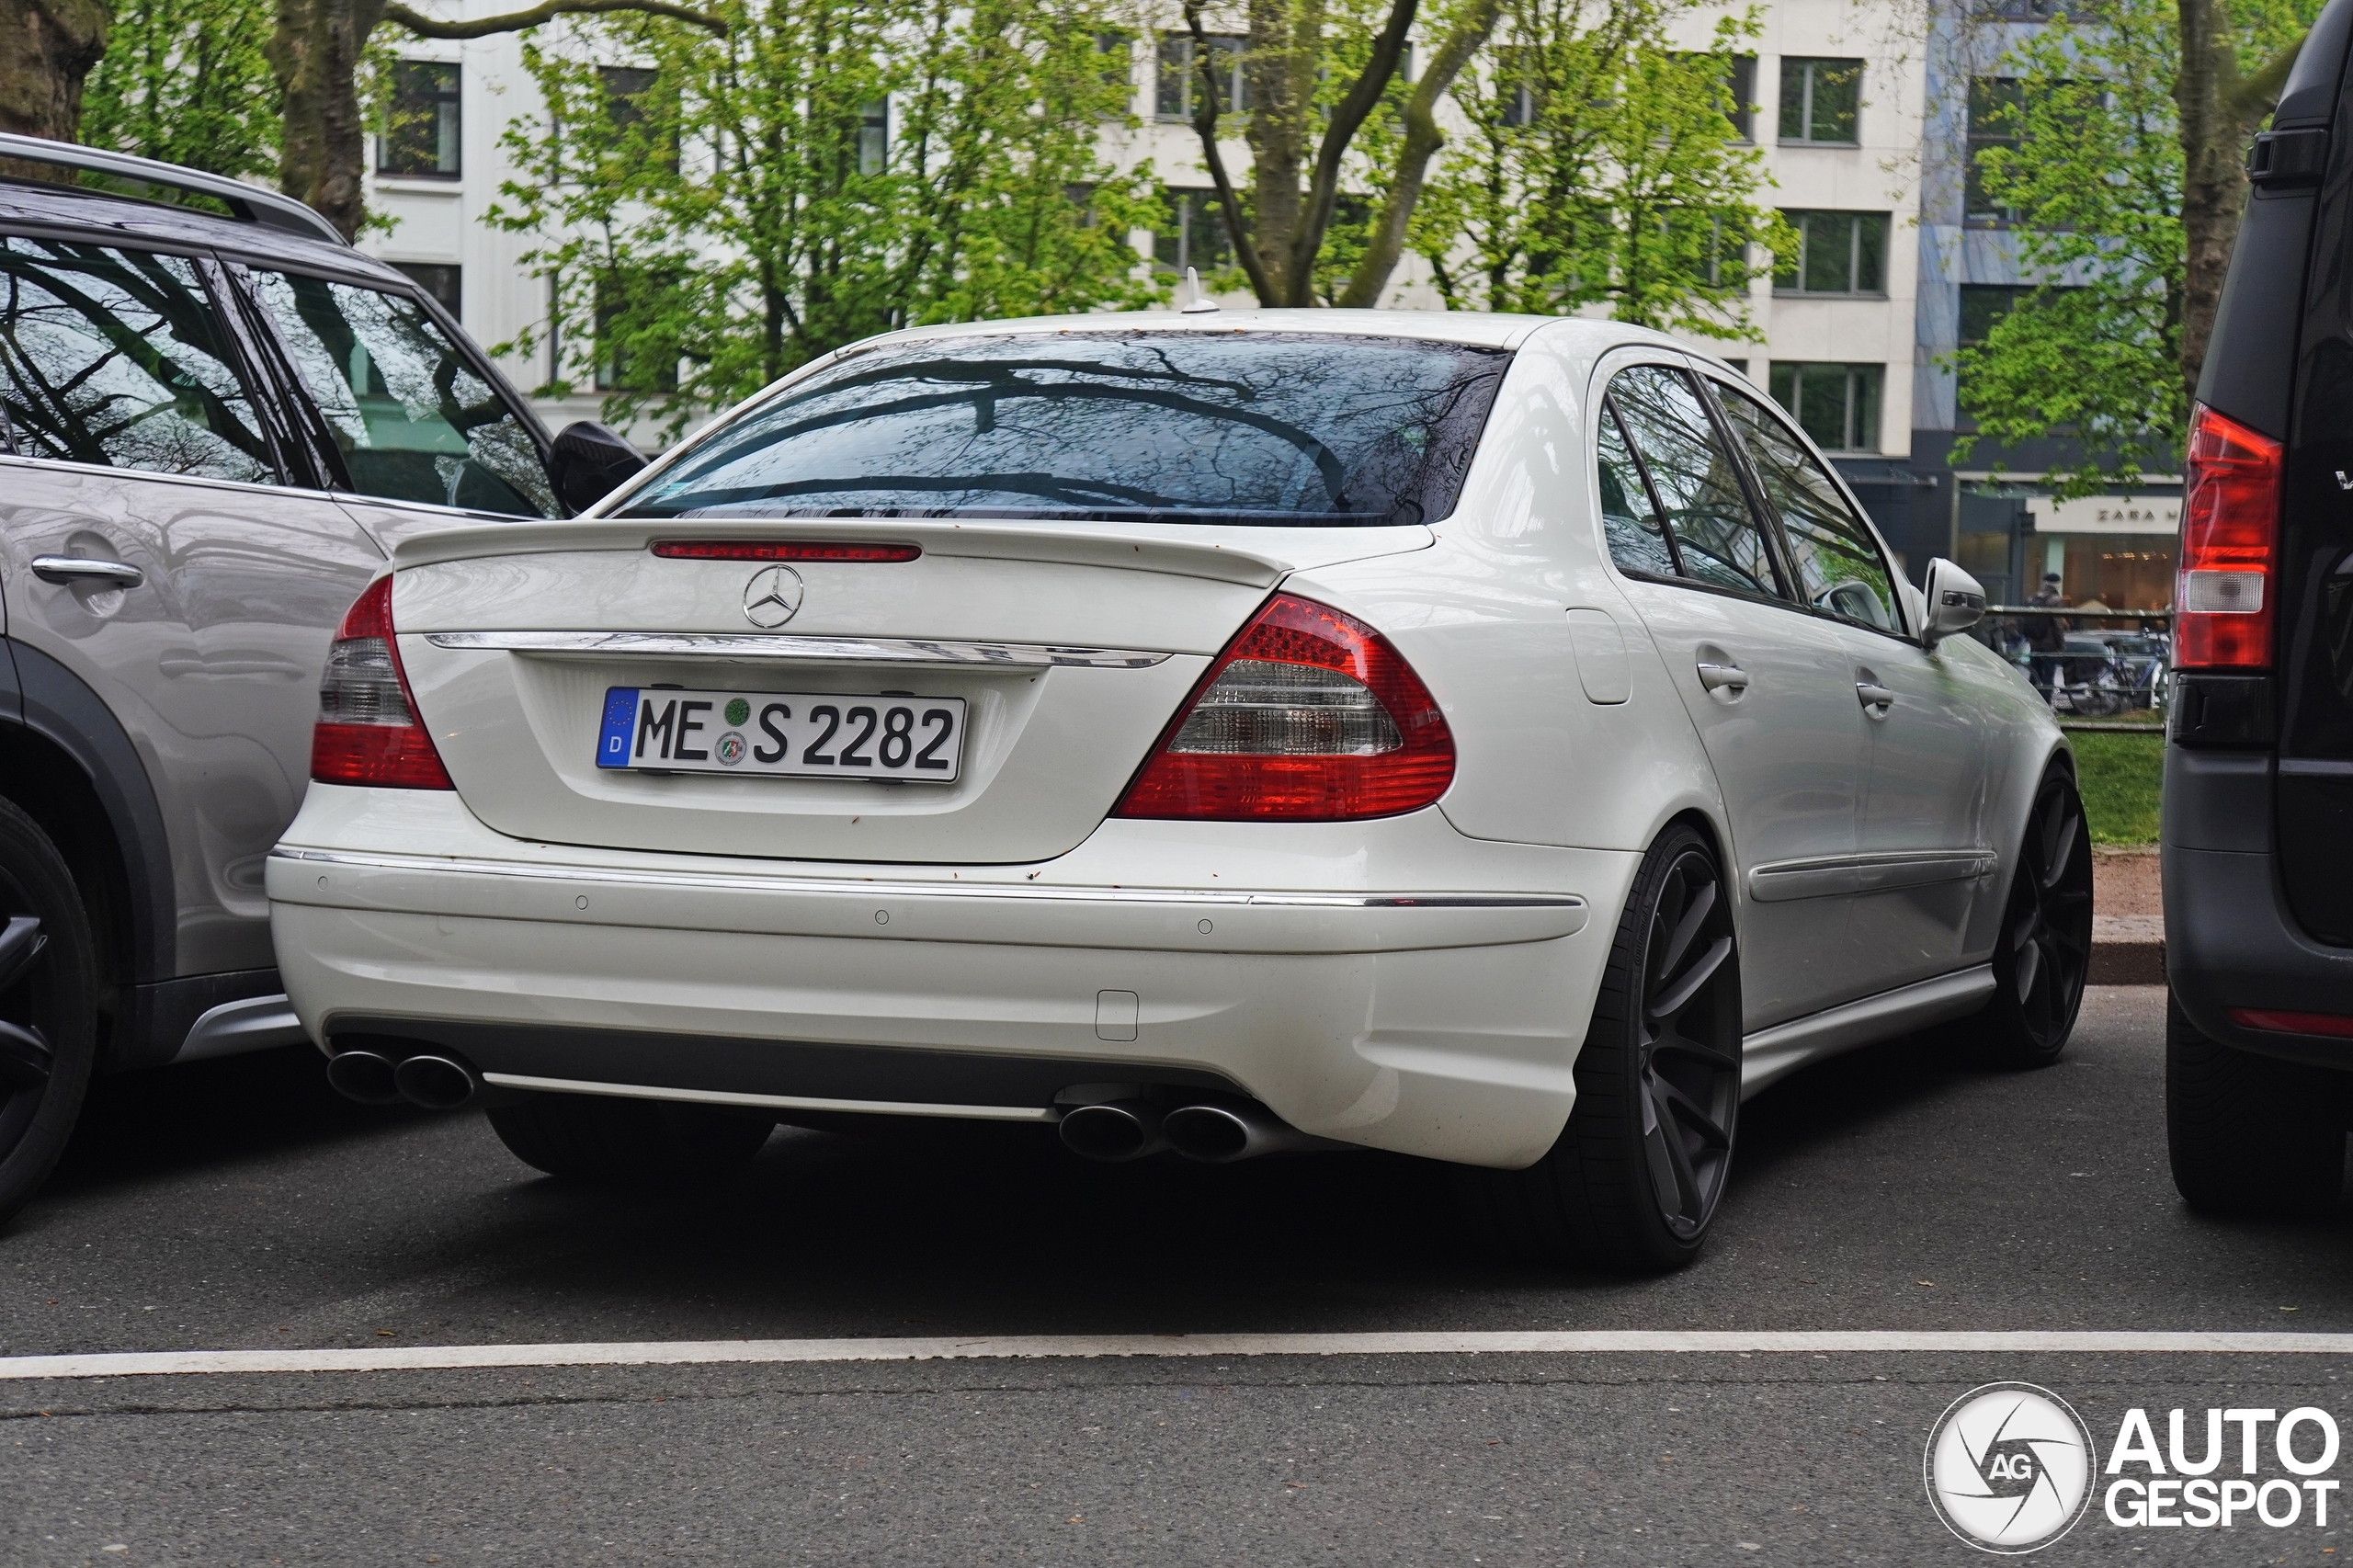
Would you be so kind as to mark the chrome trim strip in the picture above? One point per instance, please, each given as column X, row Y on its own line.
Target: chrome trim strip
column 770, row 645
column 1832, row 874
column 877, row 887
column 771, row 1102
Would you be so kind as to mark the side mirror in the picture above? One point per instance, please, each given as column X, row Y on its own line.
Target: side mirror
column 589, row 462
column 1956, row 602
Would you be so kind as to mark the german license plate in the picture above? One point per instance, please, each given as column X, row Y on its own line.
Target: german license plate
column 796, row 734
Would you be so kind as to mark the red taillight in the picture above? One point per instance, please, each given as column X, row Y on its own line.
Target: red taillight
column 1308, row 715
column 368, row 731
column 780, row 549
column 2230, row 520
column 2271, row 1022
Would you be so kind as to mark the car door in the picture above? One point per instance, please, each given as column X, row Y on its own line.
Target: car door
column 1923, row 858
column 1764, row 681
column 156, row 540
column 413, row 426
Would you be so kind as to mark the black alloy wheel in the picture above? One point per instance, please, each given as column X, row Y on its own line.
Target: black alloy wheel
column 48, row 1006
column 2044, row 952
column 1637, row 1175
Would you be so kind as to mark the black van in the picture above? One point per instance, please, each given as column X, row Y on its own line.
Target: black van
column 2258, row 787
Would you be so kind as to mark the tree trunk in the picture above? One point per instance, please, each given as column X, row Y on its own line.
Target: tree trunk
column 1421, row 141
column 47, row 47
column 316, row 53
column 2213, row 176
column 1279, row 75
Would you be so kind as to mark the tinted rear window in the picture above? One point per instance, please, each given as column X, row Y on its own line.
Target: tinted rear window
column 1268, row 429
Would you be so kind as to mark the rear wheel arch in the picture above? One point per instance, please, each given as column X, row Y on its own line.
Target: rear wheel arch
column 68, row 762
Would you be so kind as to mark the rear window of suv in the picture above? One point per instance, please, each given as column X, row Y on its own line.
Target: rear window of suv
column 1268, row 429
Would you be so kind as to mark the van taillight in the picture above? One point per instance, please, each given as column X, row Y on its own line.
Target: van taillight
column 2230, row 525
column 1309, row 715
column 368, row 731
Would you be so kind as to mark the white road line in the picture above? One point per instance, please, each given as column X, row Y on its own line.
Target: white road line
column 726, row 1352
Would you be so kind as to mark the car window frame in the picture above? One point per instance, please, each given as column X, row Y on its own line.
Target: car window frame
column 260, row 387
column 319, row 436
column 1609, row 371
column 1761, row 500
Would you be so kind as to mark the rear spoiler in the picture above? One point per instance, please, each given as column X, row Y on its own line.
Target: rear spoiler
column 1254, row 556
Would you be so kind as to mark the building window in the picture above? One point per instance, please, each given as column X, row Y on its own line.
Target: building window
column 621, row 367
column 421, row 123
column 1994, row 106
column 1742, row 83
column 1118, row 51
column 1839, row 253
column 1193, row 233
column 1179, row 81
column 625, row 90
column 1835, row 404
column 445, row 282
column 873, row 137
column 1821, row 100
column 1516, row 78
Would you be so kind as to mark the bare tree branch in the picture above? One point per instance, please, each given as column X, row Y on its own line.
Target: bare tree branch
column 516, row 21
column 1423, row 139
column 1347, row 115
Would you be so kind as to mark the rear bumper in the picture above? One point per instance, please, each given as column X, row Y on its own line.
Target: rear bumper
column 1432, row 1022
column 2230, row 941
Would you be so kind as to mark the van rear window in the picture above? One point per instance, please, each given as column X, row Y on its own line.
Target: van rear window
column 1242, row 428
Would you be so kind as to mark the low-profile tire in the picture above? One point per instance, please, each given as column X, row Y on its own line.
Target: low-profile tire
column 1633, row 1181
column 2248, row 1135
column 2043, row 955
column 625, row 1143
column 48, row 1020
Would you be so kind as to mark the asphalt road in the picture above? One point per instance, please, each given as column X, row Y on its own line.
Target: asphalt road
column 239, row 1205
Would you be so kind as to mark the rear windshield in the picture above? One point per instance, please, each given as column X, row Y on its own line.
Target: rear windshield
column 1270, row 429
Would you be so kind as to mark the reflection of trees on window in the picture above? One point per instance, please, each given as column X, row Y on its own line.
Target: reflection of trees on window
column 410, row 420
column 1165, row 427
column 1694, row 480
column 114, row 358
column 1839, row 563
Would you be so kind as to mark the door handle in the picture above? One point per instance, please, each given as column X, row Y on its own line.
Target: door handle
column 64, row 568
column 1723, row 677
column 1876, row 698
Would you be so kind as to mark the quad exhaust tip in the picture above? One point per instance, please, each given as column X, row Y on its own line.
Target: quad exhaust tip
column 436, row 1082
column 1214, row 1132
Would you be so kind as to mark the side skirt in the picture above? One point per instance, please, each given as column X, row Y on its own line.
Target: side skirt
column 1771, row 1054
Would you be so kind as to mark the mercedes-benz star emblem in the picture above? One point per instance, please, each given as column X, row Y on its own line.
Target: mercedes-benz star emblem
column 772, row 597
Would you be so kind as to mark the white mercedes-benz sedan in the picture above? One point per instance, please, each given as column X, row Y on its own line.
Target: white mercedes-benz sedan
column 1498, row 740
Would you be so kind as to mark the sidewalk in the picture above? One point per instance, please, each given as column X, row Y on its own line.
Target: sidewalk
column 2127, row 918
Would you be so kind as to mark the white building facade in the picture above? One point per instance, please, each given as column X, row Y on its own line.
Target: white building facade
column 1840, row 111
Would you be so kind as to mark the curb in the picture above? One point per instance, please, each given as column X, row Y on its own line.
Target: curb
column 2128, row 949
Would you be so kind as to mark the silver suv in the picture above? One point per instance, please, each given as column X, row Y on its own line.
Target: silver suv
column 213, row 431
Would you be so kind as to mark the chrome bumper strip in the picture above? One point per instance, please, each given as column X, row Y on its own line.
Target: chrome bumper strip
column 872, row 887
column 768, row 646
column 771, row 1102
